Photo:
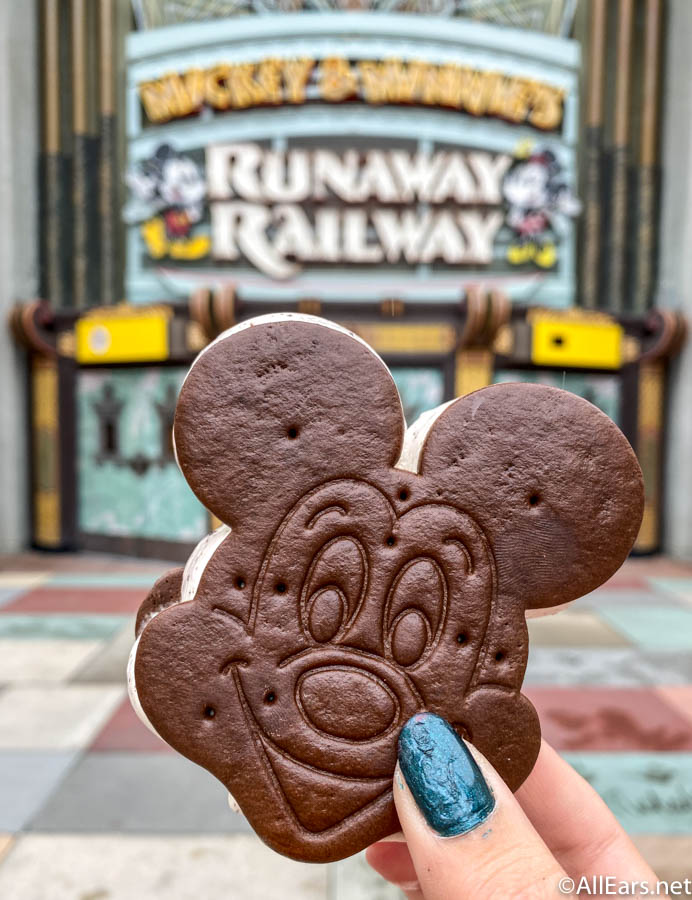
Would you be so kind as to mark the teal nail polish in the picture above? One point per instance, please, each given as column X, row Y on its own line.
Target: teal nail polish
column 443, row 777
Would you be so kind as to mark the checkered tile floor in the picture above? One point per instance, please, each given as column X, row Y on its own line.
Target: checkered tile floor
column 93, row 805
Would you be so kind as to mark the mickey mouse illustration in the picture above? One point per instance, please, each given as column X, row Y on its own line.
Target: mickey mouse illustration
column 539, row 200
column 364, row 572
column 169, row 189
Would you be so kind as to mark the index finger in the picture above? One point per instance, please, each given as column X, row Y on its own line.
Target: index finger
column 466, row 833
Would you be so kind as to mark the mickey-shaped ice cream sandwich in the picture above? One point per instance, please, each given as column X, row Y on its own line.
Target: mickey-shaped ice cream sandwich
column 365, row 572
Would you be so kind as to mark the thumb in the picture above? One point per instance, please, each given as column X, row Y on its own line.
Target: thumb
column 467, row 835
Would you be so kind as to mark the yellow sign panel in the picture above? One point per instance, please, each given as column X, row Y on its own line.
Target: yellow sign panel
column 395, row 337
column 141, row 337
column 594, row 345
column 474, row 370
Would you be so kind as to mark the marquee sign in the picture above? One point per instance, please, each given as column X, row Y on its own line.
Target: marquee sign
column 258, row 191
column 273, row 82
column 445, row 157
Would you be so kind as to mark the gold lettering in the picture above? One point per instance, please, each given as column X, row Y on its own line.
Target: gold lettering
column 474, row 88
column 392, row 81
column 154, row 101
column 493, row 94
column 275, row 81
column 269, row 80
column 194, row 85
column 242, row 86
column 372, row 84
column 517, row 101
column 217, row 90
column 442, row 86
column 172, row 96
column 337, row 80
column 255, row 84
column 547, row 107
column 296, row 73
column 403, row 82
column 507, row 97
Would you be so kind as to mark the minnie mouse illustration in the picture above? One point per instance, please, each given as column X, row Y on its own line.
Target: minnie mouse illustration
column 169, row 191
column 539, row 201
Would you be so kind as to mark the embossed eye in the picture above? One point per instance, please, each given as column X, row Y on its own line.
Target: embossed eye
column 410, row 634
column 415, row 611
column 326, row 609
column 334, row 588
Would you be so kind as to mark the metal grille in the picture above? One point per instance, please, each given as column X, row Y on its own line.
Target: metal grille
column 548, row 16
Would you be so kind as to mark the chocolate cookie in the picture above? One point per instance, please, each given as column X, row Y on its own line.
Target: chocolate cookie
column 364, row 573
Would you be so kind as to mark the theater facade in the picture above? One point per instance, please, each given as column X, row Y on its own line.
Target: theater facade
column 424, row 179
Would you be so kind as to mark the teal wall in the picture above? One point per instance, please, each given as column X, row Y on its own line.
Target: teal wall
column 420, row 388
column 154, row 501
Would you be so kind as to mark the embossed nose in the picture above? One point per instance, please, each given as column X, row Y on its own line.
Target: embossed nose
column 347, row 702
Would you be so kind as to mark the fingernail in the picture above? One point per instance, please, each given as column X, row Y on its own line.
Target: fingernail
column 443, row 776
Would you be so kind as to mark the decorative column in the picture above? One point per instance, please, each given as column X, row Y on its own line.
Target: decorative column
column 675, row 271
column 18, row 252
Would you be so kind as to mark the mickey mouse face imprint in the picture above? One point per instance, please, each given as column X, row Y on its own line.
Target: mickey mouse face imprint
column 364, row 572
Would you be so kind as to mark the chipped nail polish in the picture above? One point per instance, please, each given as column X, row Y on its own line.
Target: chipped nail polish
column 443, row 776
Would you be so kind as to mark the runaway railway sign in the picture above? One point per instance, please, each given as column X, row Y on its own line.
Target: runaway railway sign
column 352, row 156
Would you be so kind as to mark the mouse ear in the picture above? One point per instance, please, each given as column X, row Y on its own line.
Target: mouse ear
column 551, row 479
column 280, row 405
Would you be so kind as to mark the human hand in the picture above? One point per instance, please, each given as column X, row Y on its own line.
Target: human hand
column 466, row 835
